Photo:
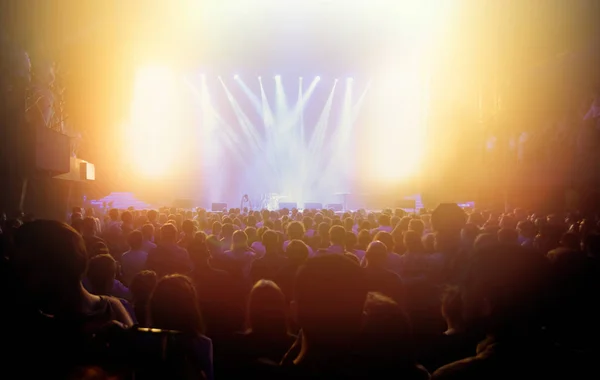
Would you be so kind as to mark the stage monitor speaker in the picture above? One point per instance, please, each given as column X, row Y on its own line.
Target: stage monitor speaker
column 288, row 205
column 410, row 204
column 313, row 206
column 218, row 207
column 52, row 151
column 335, row 207
column 184, row 203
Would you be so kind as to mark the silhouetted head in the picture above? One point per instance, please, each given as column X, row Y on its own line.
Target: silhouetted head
column 448, row 218
column 364, row 238
column 142, row 285
column 417, row 225
column 50, row 260
column 376, row 254
column 505, row 288
column 198, row 250
column 174, row 305
column 101, row 273
column 337, row 235
column 329, row 295
column 187, row 226
column 297, row 251
column 323, row 230
column 570, row 240
column 135, row 240
column 386, row 238
column 412, row 241
column 270, row 240
column 227, row 230
column 348, row 223
column 127, row 217
column 113, row 214
column 351, row 240
column 295, row 230
column 384, row 220
column 239, row 240
column 267, row 309
column 88, row 226
column 386, row 333
column 168, row 233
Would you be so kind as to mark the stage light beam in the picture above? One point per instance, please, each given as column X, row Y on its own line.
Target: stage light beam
column 153, row 144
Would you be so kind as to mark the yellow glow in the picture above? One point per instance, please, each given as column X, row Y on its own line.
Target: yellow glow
column 396, row 140
column 410, row 31
column 397, row 136
column 154, row 131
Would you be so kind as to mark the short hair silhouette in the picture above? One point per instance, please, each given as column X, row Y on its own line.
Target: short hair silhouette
column 329, row 292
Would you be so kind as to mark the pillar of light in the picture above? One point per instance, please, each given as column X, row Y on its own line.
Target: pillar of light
column 281, row 100
column 251, row 96
column 152, row 141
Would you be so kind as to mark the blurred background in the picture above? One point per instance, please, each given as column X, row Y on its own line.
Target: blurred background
column 464, row 100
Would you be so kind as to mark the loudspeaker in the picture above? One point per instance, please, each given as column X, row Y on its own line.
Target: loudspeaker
column 218, row 207
column 288, row 205
column 80, row 170
column 87, row 171
column 313, row 206
column 184, row 203
column 52, row 150
column 335, row 207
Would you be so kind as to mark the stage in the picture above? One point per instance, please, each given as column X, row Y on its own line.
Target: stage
column 271, row 202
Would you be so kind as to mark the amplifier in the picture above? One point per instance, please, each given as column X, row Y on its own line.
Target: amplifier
column 217, row 207
column 313, row 206
column 288, row 205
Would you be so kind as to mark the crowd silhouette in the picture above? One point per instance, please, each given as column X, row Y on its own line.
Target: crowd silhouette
column 189, row 294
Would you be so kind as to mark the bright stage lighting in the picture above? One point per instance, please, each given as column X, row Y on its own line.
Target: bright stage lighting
column 277, row 77
column 399, row 97
column 318, row 78
column 236, row 77
column 153, row 143
column 350, row 79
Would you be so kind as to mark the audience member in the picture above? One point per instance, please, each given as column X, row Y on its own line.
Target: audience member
column 134, row 260
column 168, row 257
column 173, row 306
